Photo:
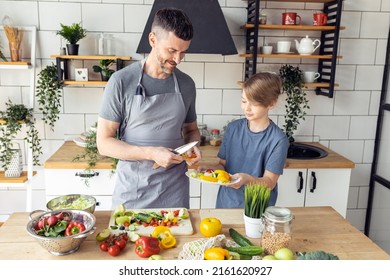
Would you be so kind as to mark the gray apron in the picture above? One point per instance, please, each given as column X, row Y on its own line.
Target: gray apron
column 153, row 121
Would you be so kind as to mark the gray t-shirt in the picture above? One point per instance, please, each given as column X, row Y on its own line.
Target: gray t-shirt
column 252, row 153
column 123, row 84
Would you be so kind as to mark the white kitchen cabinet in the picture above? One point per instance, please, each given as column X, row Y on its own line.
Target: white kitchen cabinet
column 315, row 187
column 195, row 195
column 100, row 183
column 209, row 195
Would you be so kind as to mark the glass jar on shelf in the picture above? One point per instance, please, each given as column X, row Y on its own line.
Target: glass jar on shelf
column 263, row 18
column 204, row 134
column 215, row 138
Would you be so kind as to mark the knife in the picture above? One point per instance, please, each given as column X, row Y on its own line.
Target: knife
column 180, row 150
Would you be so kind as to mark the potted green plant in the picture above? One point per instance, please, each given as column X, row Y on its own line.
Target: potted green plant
column 256, row 200
column 104, row 68
column 11, row 122
column 296, row 100
column 91, row 154
column 48, row 95
column 72, row 33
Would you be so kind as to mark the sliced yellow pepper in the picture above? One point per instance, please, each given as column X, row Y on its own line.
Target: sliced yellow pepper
column 216, row 253
column 168, row 242
column 164, row 235
column 158, row 230
column 208, row 178
column 223, row 176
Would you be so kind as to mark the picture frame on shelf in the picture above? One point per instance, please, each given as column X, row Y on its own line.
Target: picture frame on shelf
column 81, row 74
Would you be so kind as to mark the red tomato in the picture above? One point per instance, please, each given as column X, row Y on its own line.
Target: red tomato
column 176, row 213
column 125, row 237
column 104, row 246
column 121, row 243
column 114, row 250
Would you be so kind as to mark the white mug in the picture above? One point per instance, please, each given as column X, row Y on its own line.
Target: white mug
column 266, row 49
column 310, row 76
column 283, row 46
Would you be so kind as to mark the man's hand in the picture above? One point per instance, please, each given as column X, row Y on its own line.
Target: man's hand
column 193, row 156
column 165, row 157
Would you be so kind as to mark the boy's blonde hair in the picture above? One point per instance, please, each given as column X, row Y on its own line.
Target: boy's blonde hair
column 263, row 88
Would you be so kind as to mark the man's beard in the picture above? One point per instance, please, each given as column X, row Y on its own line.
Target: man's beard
column 163, row 68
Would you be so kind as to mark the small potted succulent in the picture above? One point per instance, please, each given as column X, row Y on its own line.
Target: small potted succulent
column 104, row 68
column 72, row 33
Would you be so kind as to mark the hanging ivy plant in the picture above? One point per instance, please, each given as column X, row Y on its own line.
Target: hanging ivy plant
column 48, row 95
column 11, row 123
column 296, row 100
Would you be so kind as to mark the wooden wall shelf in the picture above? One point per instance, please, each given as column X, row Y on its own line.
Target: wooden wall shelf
column 66, row 58
column 91, row 57
column 16, row 180
column 292, row 27
column 87, row 83
column 313, row 56
column 15, row 65
column 329, row 37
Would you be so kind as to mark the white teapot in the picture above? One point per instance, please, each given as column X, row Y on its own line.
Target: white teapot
column 307, row 46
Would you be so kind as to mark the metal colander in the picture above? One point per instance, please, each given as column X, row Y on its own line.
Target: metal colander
column 60, row 246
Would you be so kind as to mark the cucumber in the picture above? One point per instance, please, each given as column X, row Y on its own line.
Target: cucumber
column 237, row 256
column 247, row 250
column 143, row 217
column 239, row 238
column 156, row 215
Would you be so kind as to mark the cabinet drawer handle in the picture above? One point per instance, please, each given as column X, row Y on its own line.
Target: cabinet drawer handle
column 314, row 181
column 87, row 174
column 300, row 181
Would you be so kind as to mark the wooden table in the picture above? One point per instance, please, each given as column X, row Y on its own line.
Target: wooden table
column 314, row 228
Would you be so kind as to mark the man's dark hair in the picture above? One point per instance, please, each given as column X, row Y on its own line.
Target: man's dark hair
column 174, row 20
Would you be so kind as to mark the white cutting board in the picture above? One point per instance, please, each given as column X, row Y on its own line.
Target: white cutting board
column 184, row 226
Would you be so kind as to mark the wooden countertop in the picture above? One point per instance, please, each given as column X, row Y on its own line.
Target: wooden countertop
column 63, row 159
column 314, row 228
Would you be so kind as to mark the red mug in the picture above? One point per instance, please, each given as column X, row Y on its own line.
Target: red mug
column 291, row 19
column 320, row 19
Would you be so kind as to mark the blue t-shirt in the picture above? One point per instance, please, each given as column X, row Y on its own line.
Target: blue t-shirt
column 252, row 153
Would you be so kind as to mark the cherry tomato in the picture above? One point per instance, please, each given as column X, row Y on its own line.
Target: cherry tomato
column 176, row 213
column 114, row 250
column 121, row 243
column 125, row 237
column 104, row 246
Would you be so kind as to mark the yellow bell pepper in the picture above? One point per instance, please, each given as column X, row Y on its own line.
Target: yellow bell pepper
column 208, row 178
column 158, row 230
column 216, row 253
column 168, row 241
column 164, row 235
column 223, row 176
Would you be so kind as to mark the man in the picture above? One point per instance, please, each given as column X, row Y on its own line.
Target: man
column 151, row 105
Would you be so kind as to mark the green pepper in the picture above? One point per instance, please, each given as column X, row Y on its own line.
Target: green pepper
column 146, row 246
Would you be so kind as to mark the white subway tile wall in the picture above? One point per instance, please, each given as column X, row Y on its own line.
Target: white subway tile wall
column 345, row 123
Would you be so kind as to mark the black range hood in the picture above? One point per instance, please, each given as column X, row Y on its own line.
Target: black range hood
column 211, row 34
